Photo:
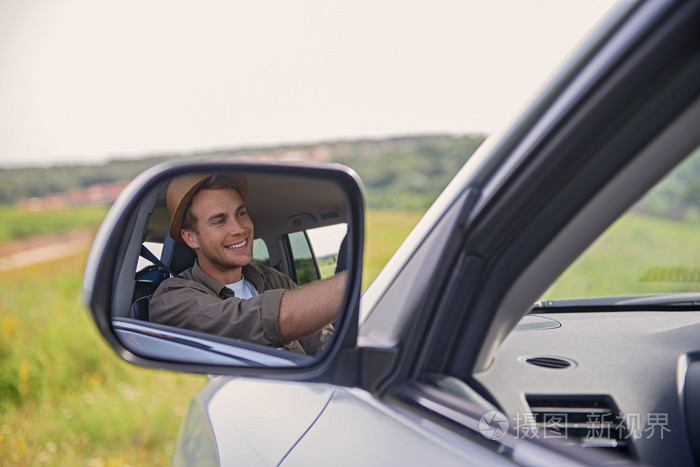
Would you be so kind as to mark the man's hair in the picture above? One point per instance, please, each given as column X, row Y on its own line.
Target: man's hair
column 215, row 182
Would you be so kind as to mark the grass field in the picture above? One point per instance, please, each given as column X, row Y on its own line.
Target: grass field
column 67, row 399
column 18, row 224
column 635, row 256
column 385, row 230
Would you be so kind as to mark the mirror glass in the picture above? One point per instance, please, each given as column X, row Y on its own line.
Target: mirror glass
column 233, row 268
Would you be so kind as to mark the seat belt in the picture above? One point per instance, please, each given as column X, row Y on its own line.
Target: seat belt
column 147, row 254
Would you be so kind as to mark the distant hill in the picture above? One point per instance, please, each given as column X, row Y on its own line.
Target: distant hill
column 408, row 173
column 400, row 172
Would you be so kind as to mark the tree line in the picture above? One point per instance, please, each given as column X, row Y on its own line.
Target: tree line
column 406, row 172
column 401, row 172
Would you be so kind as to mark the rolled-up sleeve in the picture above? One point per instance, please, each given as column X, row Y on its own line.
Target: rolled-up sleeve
column 190, row 305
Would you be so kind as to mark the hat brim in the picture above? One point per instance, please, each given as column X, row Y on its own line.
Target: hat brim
column 179, row 215
column 190, row 185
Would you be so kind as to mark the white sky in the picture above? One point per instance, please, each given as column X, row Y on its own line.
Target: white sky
column 85, row 80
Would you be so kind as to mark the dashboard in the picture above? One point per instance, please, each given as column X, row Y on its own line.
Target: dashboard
column 626, row 381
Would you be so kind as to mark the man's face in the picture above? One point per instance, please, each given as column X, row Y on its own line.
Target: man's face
column 223, row 238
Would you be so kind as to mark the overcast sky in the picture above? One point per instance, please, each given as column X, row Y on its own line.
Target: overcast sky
column 85, row 80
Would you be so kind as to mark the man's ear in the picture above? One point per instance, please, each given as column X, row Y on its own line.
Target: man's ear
column 190, row 238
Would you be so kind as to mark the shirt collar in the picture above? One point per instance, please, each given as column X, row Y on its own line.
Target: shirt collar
column 250, row 272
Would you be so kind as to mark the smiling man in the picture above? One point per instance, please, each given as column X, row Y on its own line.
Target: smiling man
column 223, row 293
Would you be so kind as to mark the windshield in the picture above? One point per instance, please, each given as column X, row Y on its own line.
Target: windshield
column 653, row 249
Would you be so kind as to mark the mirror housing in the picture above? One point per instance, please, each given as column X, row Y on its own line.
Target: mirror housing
column 112, row 266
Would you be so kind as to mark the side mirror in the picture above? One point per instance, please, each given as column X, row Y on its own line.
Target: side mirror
column 301, row 214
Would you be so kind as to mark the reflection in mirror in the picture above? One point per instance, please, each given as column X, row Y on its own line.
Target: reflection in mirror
column 233, row 269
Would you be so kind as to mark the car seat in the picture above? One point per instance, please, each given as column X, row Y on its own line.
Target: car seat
column 175, row 258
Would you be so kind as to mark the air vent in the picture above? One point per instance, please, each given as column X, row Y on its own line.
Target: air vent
column 549, row 362
column 591, row 421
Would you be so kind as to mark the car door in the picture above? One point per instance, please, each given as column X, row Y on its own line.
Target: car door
column 620, row 116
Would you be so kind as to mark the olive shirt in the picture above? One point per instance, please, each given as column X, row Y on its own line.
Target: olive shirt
column 193, row 300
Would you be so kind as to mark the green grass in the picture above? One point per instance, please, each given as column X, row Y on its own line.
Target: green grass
column 16, row 223
column 326, row 268
column 65, row 397
column 385, row 231
column 623, row 260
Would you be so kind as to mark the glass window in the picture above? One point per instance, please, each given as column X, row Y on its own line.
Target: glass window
column 315, row 252
column 325, row 242
column 261, row 254
column 153, row 247
column 653, row 248
column 305, row 268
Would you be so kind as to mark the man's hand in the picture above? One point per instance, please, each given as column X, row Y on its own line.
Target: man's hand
column 308, row 309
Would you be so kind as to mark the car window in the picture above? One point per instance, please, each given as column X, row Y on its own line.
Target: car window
column 261, row 254
column 325, row 242
column 155, row 248
column 315, row 252
column 305, row 268
column 652, row 249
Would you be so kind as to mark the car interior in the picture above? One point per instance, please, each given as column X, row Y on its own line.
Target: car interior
column 613, row 367
column 618, row 370
column 300, row 229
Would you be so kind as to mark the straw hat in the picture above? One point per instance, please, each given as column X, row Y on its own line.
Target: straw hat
column 182, row 189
